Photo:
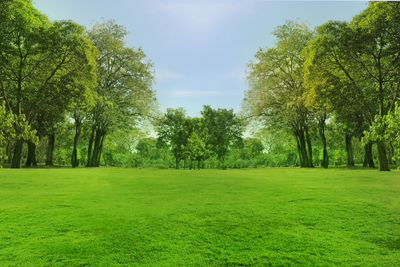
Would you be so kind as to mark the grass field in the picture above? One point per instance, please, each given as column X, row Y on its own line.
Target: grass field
column 208, row 217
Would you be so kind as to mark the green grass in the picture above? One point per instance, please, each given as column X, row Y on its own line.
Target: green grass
column 209, row 217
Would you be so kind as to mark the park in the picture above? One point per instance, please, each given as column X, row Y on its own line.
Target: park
column 201, row 133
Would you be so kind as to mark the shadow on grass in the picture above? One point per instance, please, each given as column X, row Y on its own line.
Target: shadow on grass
column 390, row 244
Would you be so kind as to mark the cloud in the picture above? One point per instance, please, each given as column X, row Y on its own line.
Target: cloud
column 183, row 93
column 165, row 74
column 201, row 15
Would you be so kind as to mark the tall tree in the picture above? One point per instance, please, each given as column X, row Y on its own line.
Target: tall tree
column 329, row 91
column 78, row 117
column 277, row 92
column 123, row 93
column 78, row 112
column 364, row 55
column 42, row 63
column 321, row 112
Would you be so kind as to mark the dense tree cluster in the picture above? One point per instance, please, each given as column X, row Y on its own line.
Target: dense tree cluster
column 343, row 73
column 52, row 73
column 82, row 97
column 196, row 139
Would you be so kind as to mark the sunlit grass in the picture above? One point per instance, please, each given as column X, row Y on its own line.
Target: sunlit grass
column 208, row 217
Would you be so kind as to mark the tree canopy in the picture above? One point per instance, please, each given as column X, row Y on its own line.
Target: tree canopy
column 324, row 96
column 277, row 92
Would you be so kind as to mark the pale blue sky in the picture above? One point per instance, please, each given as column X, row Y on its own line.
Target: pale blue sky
column 200, row 49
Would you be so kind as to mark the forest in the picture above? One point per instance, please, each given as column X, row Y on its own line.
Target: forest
column 75, row 96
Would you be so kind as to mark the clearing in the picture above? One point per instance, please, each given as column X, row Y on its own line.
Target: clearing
column 281, row 216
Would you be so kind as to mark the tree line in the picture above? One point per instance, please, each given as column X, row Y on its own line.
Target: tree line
column 82, row 97
column 52, row 73
column 341, row 73
column 194, row 140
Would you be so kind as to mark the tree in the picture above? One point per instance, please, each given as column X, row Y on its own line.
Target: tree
column 251, row 148
column 329, row 91
column 196, row 139
column 78, row 117
column 321, row 113
column 6, row 130
column 44, row 65
column 222, row 129
column 146, row 147
column 78, row 113
column 277, row 93
column 386, row 129
column 173, row 131
column 364, row 57
column 196, row 148
column 123, row 93
column 13, row 127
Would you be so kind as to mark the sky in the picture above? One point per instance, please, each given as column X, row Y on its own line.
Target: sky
column 200, row 49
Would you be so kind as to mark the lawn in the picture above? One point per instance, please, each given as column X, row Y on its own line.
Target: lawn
column 210, row 217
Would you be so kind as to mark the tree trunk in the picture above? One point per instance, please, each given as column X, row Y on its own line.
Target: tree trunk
column 9, row 152
column 368, row 159
column 198, row 164
column 96, row 147
column 325, row 158
column 383, row 162
column 74, row 158
column 100, row 150
column 349, row 151
column 31, row 159
column 176, row 163
column 299, row 150
column 50, row 150
column 90, row 147
column 16, row 160
column 301, row 147
column 309, row 149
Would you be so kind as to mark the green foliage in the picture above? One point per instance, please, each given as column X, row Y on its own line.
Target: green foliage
column 13, row 127
column 386, row 129
column 123, row 94
column 45, row 67
column 92, row 92
column 276, row 78
column 196, row 148
column 6, row 125
column 354, row 66
column 222, row 130
column 277, row 93
column 173, row 131
column 196, row 139
column 124, row 77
